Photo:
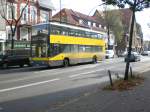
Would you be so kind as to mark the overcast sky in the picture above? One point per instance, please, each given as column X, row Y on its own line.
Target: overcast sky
column 89, row 6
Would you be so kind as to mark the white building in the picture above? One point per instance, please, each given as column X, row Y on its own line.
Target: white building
column 37, row 11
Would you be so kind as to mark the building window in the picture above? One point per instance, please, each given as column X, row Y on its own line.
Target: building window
column 94, row 24
column 25, row 15
column 100, row 26
column 33, row 15
column 23, row 33
column 89, row 23
column 44, row 16
column 80, row 21
column 11, row 11
column 25, row 12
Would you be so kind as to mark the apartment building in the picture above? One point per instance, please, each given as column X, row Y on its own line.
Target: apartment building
column 37, row 11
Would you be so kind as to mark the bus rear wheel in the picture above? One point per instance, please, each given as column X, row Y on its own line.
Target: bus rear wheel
column 66, row 62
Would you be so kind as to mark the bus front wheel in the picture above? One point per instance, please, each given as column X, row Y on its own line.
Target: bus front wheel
column 66, row 62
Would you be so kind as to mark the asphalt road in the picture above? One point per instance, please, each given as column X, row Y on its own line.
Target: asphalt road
column 42, row 89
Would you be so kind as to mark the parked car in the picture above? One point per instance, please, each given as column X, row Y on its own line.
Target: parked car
column 109, row 54
column 122, row 54
column 19, row 58
column 145, row 53
column 133, row 58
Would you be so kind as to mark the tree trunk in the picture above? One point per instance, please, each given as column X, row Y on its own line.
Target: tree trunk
column 130, row 46
column 108, row 34
column 12, row 43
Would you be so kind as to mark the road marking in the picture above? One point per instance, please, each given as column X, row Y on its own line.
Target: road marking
column 71, row 76
column 28, row 85
column 76, row 75
column 1, row 108
column 44, row 74
column 145, row 70
column 68, row 69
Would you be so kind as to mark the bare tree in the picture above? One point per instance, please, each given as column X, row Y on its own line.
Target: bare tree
column 12, row 21
column 113, row 22
column 135, row 5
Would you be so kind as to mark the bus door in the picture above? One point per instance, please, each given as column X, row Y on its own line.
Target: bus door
column 39, row 46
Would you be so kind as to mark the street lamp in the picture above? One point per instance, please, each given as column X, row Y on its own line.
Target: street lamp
column 94, row 8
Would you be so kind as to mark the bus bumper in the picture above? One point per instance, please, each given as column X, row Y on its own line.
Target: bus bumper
column 47, row 63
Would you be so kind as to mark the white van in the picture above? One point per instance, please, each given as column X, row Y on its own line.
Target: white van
column 109, row 54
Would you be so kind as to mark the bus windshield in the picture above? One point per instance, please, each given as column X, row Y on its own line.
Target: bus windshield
column 39, row 40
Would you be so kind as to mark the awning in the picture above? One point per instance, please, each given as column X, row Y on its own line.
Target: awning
column 46, row 4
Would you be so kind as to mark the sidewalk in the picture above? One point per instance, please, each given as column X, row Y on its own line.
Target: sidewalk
column 136, row 100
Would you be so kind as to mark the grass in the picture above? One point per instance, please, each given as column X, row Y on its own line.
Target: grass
column 122, row 85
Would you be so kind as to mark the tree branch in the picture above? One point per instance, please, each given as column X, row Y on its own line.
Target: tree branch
column 22, row 11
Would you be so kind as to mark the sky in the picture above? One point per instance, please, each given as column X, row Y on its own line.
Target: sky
column 89, row 6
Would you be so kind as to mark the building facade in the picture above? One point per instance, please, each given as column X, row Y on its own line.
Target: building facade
column 146, row 45
column 36, row 11
column 137, row 43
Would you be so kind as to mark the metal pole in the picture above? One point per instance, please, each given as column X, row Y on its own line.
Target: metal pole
column 109, row 73
column 131, row 72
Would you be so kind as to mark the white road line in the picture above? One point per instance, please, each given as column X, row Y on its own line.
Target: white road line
column 41, row 74
column 1, row 108
column 76, row 75
column 28, row 85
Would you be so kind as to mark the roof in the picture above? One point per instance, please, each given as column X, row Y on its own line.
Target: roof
column 44, row 25
column 46, row 4
column 73, row 17
column 126, row 15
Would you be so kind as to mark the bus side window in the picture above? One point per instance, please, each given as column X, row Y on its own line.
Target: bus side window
column 87, row 34
column 64, row 32
column 54, row 49
column 67, row 48
column 72, row 32
column 74, row 48
column 81, row 48
column 56, row 30
column 99, row 36
column 87, row 48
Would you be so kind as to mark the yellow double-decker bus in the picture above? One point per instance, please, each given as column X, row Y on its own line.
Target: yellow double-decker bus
column 54, row 44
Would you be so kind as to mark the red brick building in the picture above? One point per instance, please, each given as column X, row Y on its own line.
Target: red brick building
column 79, row 19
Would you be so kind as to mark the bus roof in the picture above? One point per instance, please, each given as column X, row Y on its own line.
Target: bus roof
column 42, row 25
